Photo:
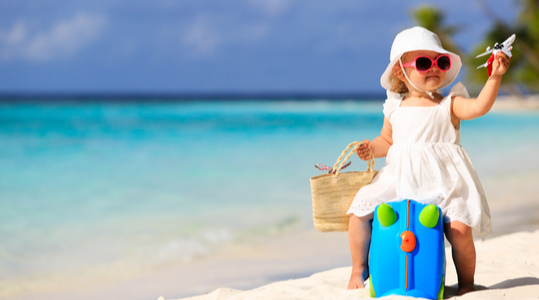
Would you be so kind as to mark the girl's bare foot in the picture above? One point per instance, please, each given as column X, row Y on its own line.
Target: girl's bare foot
column 356, row 279
column 465, row 288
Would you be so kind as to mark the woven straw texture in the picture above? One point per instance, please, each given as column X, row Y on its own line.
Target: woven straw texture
column 333, row 194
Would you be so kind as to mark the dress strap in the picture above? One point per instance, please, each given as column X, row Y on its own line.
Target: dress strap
column 459, row 90
column 392, row 102
column 446, row 101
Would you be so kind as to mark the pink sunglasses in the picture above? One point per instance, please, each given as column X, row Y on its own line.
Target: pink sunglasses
column 424, row 64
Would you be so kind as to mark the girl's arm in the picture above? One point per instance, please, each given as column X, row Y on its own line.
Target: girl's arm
column 379, row 146
column 467, row 109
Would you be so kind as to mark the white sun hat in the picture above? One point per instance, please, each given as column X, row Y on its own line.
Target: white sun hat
column 419, row 38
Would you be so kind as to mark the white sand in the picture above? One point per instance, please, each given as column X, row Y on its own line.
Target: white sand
column 510, row 103
column 507, row 268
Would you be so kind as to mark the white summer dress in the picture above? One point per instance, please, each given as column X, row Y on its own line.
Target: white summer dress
column 426, row 163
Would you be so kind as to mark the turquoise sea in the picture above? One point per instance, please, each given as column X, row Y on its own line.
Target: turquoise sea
column 127, row 187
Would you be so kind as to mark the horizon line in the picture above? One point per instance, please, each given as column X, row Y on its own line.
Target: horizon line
column 189, row 96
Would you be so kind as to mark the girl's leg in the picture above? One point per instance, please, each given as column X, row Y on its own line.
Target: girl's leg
column 463, row 250
column 359, row 236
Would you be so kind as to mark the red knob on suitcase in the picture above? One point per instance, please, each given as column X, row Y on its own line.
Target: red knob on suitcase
column 408, row 241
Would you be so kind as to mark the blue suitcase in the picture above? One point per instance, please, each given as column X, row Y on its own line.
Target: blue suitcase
column 407, row 253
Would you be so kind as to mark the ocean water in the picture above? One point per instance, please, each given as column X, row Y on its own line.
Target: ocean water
column 114, row 189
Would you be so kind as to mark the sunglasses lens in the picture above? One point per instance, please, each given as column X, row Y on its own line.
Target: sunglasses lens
column 423, row 63
column 444, row 63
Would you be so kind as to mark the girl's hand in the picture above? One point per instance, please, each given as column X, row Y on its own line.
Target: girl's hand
column 500, row 64
column 364, row 151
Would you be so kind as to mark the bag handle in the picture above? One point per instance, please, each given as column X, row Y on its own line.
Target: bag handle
column 354, row 146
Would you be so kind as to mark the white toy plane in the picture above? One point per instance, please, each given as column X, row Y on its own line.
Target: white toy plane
column 505, row 47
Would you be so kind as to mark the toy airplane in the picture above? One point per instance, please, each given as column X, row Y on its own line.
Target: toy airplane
column 505, row 47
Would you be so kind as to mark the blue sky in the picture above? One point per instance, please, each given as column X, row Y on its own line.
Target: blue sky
column 211, row 46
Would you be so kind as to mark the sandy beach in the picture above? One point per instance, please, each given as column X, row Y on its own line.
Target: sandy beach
column 511, row 103
column 507, row 268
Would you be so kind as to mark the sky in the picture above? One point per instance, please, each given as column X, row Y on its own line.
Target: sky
column 212, row 46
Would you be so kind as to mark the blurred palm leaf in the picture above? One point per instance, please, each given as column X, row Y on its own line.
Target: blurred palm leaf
column 524, row 70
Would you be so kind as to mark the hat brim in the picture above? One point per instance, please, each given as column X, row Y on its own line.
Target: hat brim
column 451, row 75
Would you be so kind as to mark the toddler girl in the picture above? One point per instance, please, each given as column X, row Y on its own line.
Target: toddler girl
column 425, row 161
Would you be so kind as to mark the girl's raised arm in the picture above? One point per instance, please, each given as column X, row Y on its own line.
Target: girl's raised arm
column 467, row 109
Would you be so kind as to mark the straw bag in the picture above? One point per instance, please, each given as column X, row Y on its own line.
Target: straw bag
column 333, row 193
